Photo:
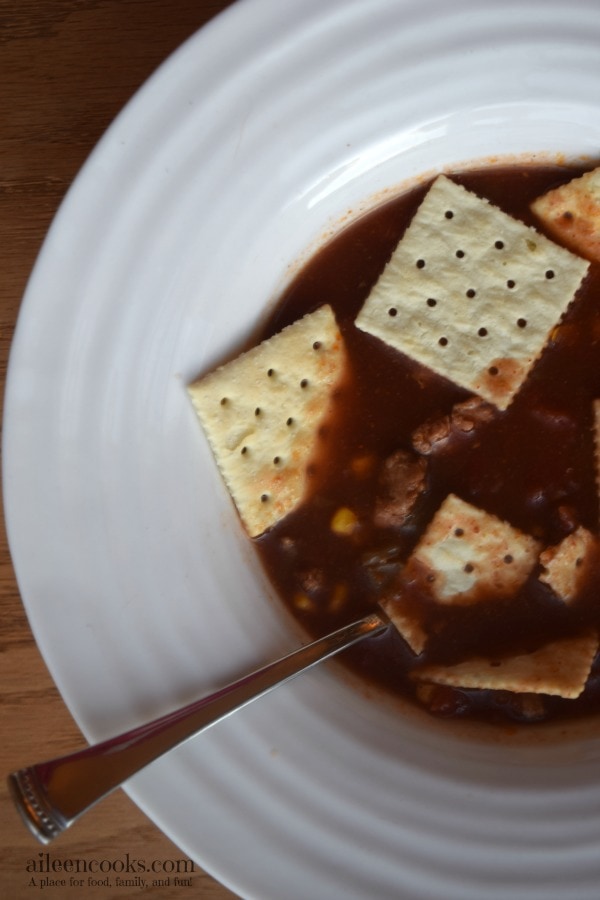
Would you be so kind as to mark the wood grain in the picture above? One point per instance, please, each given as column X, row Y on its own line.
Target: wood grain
column 66, row 69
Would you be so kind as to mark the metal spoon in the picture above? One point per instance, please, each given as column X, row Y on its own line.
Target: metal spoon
column 52, row 795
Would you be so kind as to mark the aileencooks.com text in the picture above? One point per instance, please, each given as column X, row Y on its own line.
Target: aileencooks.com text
column 46, row 864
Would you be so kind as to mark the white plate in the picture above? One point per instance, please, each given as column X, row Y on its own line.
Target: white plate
column 247, row 148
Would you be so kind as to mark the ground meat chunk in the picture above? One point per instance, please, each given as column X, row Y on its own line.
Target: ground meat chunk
column 312, row 580
column 474, row 411
column 431, row 435
column 522, row 707
column 566, row 518
column 402, row 480
column 437, row 434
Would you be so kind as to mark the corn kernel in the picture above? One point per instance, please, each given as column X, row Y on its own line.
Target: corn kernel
column 338, row 598
column 362, row 465
column 344, row 521
column 303, row 603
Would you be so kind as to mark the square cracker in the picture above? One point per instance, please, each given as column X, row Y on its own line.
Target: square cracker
column 564, row 564
column 560, row 668
column 262, row 411
column 571, row 213
column 465, row 556
column 407, row 623
column 470, row 556
column 472, row 293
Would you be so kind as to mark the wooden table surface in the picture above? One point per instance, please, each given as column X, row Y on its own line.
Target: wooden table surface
column 66, row 69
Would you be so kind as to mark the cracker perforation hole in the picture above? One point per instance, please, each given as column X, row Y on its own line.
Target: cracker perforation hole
column 493, row 370
column 482, row 332
column 522, row 323
column 317, row 345
column 471, row 293
column 392, row 311
column 420, row 264
column 443, row 342
column 510, row 284
column 549, row 274
column 460, row 254
column 449, row 214
column 304, row 383
column 431, row 301
column 499, row 245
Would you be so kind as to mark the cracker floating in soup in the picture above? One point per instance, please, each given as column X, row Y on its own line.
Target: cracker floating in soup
column 472, row 293
column 560, row 669
column 564, row 565
column 407, row 623
column 261, row 413
column 468, row 555
column 571, row 213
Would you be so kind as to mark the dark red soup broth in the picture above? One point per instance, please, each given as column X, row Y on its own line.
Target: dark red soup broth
column 532, row 465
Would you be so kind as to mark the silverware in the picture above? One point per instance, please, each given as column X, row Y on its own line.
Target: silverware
column 51, row 795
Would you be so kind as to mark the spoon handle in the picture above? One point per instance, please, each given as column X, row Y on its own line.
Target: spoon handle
column 51, row 795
